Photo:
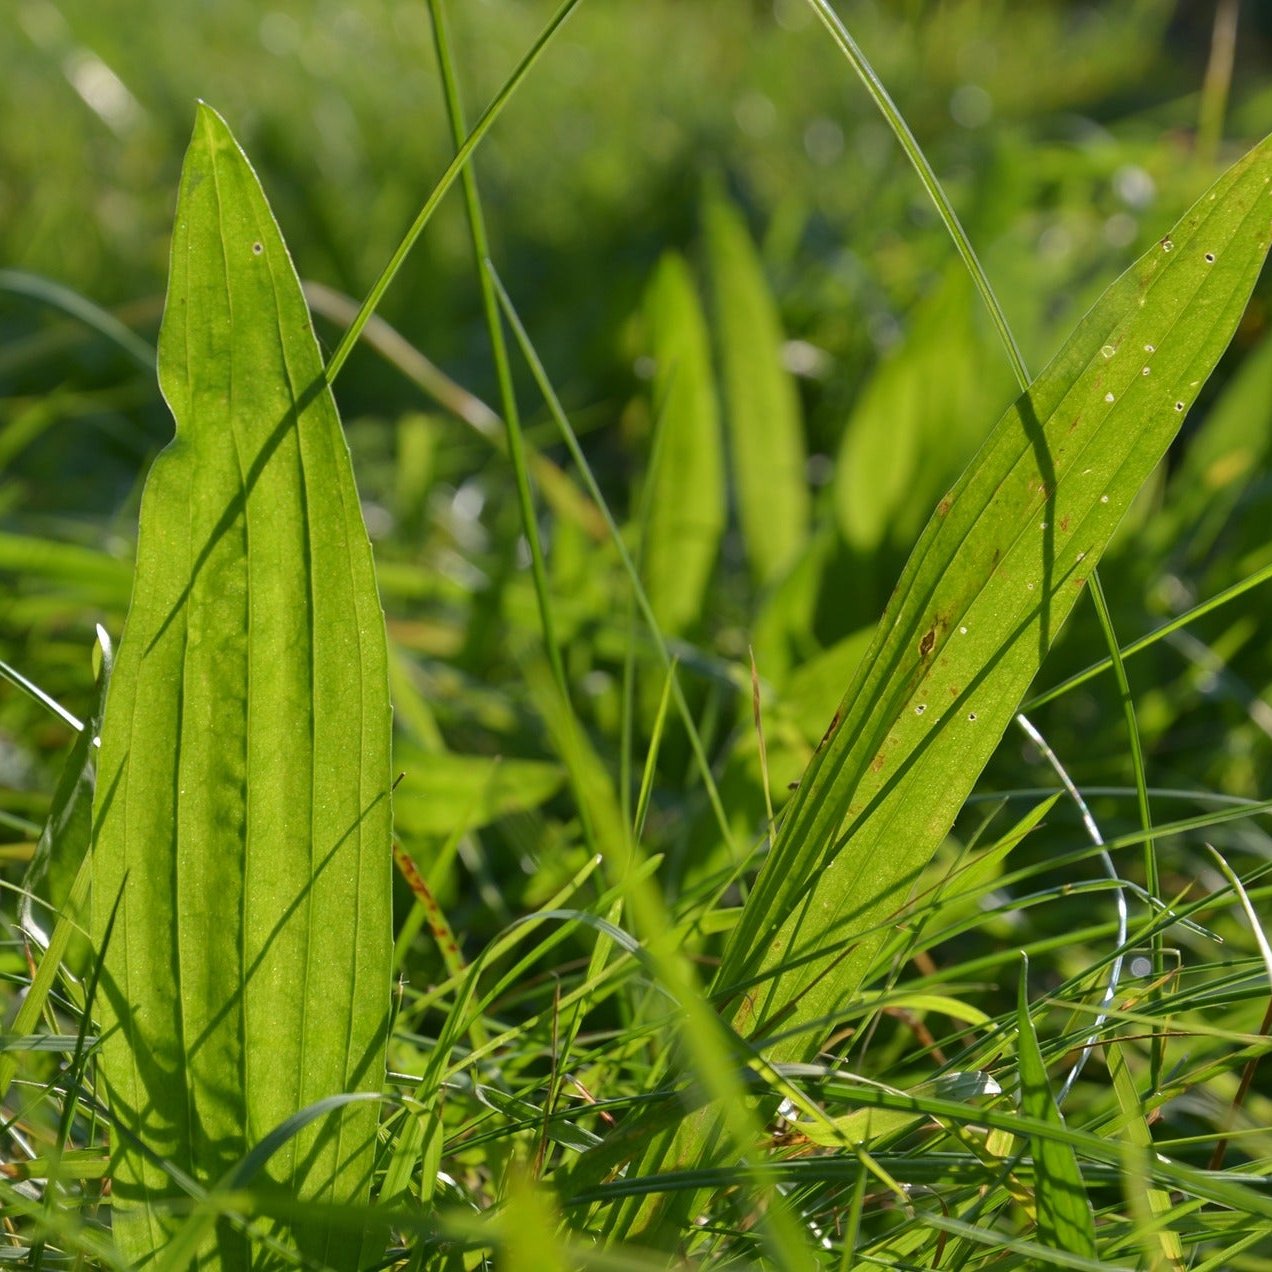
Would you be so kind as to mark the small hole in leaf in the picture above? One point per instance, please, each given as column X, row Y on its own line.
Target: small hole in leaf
column 921, row 708
column 1179, row 406
column 971, row 715
column 257, row 249
column 1210, row 258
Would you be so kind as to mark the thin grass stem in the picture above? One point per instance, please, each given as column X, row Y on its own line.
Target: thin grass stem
column 447, row 179
column 1093, row 830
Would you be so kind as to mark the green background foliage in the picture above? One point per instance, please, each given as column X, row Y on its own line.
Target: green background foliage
column 775, row 365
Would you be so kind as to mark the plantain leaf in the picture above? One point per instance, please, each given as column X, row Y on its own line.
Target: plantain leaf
column 685, row 497
column 1065, row 1218
column 997, row 570
column 242, row 808
column 765, row 431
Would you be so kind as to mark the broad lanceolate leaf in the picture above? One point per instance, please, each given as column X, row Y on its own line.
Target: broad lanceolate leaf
column 766, row 434
column 1063, row 1209
column 242, row 809
column 685, row 498
column 995, row 573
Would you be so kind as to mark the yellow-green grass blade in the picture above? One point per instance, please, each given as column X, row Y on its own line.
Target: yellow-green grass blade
column 994, row 575
column 242, row 808
column 762, row 415
column 686, row 498
column 1063, row 1209
column 1149, row 1205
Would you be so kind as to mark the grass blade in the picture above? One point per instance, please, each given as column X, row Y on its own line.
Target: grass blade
column 686, row 504
column 242, row 808
column 766, row 433
column 1065, row 1220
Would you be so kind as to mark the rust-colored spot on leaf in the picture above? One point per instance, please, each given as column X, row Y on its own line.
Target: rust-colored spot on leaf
column 876, row 765
column 927, row 643
column 943, row 507
column 1064, row 525
column 830, row 728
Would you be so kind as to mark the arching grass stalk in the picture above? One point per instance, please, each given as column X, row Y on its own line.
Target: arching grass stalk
column 936, row 192
column 1093, row 830
column 447, row 179
column 1151, row 876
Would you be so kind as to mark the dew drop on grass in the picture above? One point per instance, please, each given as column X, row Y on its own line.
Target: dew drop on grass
column 1167, row 245
column 1104, row 498
column 962, row 631
column 1141, row 966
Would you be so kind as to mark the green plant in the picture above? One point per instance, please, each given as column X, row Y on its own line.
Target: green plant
column 712, row 1019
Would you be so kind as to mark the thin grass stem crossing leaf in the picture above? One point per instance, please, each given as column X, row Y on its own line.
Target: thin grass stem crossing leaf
column 242, row 809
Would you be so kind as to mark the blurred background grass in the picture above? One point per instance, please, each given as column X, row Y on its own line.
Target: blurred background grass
column 1069, row 136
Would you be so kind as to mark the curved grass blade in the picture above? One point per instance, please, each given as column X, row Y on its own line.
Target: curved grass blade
column 81, row 308
column 242, row 807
